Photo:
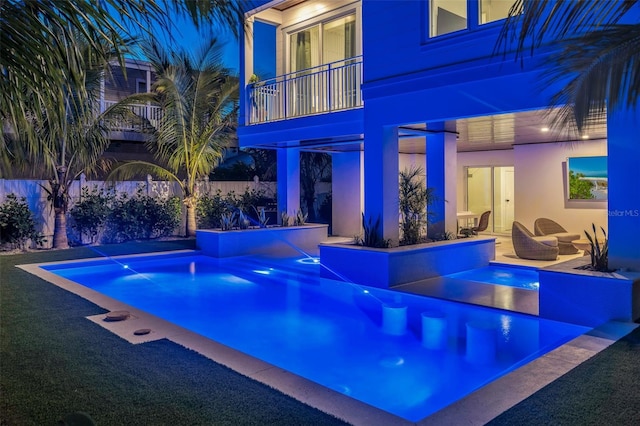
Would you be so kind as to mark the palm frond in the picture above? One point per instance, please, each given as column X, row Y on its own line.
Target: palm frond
column 532, row 22
column 197, row 96
column 137, row 169
column 604, row 71
column 37, row 58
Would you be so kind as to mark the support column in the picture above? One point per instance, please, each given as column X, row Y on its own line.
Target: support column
column 288, row 181
column 346, row 208
column 441, row 175
column 381, row 178
column 623, row 128
column 245, row 67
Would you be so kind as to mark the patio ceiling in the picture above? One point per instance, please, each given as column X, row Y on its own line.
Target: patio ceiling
column 502, row 131
column 287, row 4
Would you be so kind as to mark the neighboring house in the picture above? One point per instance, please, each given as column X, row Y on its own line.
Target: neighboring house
column 386, row 84
column 127, row 138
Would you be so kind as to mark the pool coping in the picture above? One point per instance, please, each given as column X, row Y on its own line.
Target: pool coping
column 477, row 408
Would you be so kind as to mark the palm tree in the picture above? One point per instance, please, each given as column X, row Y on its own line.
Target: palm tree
column 64, row 141
column 198, row 98
column 314, row 167
column 35, row 62
column 597, row 49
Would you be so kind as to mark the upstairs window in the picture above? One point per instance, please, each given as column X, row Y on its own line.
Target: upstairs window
column 326, row 42
column 448, row 16
column 494, row 10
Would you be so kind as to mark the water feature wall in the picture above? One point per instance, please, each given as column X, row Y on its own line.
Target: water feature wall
column 400, row 265
column 290, row 240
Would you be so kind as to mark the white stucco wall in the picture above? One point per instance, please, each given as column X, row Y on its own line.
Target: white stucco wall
column 540, row 182
column 407, row 161
column 540, row 185
column 347, row 192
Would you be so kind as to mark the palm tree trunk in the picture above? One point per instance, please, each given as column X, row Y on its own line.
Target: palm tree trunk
column 191, row 220
column 60, row 230
column 60, row 205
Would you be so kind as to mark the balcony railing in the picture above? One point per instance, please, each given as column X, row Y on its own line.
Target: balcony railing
column 142, row 116
column 328, row 87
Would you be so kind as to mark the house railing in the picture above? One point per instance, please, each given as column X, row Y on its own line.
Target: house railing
column 328, row 87
column 142, row 115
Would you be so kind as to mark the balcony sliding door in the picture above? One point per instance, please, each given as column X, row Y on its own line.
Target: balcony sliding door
column 305, row 56
column 339, row 43
column 321, row 78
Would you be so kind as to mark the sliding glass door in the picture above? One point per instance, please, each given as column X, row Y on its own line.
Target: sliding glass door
column 318, row 87
column 491, row 188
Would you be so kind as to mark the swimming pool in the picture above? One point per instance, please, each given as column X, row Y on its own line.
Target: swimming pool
column 331, row 332
column 512, row 276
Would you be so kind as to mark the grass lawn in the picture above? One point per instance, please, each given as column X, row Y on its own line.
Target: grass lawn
column 54, row 362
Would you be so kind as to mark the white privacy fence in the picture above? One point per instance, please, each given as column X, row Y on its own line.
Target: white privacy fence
column 36, row 196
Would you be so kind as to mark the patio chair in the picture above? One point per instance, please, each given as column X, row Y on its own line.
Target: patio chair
column 543, row 226
column 528, row 246
column 483, row 223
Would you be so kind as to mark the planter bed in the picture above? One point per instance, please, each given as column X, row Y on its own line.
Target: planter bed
column 275, row 240
column 587, row 297
column 386, row 268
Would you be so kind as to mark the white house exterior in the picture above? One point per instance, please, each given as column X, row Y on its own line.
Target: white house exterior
column 386, row 84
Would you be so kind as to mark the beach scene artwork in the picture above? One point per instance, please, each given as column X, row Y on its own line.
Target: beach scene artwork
column 588, row 178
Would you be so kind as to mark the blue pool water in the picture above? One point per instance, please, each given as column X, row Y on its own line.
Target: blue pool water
column 330, row 332
column 513, row 276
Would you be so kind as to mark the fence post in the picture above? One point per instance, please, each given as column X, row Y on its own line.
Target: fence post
column 82, row 182
column 149, row 184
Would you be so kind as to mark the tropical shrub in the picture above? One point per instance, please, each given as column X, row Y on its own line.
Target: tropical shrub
column 285, row 219
column 210, row 208
column 300, row 218
column 372, row 234
column 599, row 253
column 243, row 220
column 89, row 215
column 262, row 217
column 228, row 221
column 142, row 217
column 17, row 225
column 415, row 198
column 249, row 200
column 445, row 236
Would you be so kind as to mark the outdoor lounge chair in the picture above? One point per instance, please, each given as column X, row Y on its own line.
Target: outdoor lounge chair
column 544, row 226
column 528, row 246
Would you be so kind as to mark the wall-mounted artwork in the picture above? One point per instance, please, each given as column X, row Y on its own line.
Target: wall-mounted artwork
column 587, row 178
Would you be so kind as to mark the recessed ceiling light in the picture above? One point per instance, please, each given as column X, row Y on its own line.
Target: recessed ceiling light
column 544, row 129
column 585, row 136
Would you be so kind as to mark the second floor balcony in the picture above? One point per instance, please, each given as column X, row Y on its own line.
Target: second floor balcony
column 142, row 115
column 329, row 87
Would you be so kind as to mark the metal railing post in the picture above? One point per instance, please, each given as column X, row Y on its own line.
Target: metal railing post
column 329, row 85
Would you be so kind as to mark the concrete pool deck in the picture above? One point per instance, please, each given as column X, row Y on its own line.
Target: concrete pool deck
column 475, row 409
